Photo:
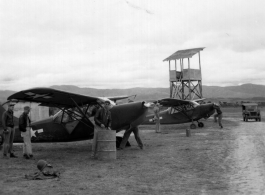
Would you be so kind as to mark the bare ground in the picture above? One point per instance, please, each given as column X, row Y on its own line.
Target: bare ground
column 211, row 161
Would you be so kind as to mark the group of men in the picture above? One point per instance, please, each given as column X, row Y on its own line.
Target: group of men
column 102, row 121
column 9, row 132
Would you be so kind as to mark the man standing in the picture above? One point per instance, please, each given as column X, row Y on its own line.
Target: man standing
column 218, row 114
column 102, row 120
column 157, row 117
column 24, row 127
column 9, row 131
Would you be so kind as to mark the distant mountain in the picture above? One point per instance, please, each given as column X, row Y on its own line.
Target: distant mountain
column 142, row 93
column 4, row 94
column 246, row 91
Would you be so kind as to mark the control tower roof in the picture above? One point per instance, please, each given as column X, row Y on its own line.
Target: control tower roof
column 180, row 54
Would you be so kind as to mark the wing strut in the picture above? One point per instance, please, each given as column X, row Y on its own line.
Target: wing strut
column 73, row 116
column 80, row 110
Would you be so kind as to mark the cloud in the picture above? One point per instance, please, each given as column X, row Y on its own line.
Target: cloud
column 120, row 44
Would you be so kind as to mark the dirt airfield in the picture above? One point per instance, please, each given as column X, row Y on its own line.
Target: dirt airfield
column 212, row 161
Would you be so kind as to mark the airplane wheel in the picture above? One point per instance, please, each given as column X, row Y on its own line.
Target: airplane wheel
column 200, row 124
column 193, row 126
column 118, row 142
column 1, row 140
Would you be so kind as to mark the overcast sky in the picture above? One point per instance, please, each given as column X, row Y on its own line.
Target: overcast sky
column 122, row 43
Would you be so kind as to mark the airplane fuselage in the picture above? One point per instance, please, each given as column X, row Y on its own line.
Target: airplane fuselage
column 195, row 114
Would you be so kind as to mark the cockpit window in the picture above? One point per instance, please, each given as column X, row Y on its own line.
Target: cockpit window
column 71, row 114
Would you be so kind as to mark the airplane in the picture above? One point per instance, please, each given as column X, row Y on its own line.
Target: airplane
column 182, row 111
column 72, row 122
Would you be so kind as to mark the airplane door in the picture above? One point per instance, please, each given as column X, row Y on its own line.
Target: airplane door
column 71, row 125
column 71, row 121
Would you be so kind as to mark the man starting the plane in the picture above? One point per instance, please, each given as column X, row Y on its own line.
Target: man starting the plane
column 102, row 120
column 9, row 130
column 24, row 127
column 218, row 114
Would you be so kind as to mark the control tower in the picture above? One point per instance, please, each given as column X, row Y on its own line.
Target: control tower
column 185, row 83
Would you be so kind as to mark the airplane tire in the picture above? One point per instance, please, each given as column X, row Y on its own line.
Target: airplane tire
column 193, row 126
column 1, row 140
column 200, row 124
column 118, row 142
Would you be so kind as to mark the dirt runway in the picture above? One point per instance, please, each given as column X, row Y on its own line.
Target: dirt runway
column 211, row 161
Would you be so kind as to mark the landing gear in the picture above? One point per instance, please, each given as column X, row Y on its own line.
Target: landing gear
column 200, row 124
column 193, row 126
column 118, row 142
column 1, row 140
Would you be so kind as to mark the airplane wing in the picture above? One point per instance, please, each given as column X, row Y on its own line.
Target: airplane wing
column 115, row 98
column 170, row 102
column 52, row 97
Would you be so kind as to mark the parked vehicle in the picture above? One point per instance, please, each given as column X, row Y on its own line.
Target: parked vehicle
column 250, row 111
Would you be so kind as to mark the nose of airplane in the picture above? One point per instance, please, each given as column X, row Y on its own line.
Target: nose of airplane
column 125, row 114
column 208, row 110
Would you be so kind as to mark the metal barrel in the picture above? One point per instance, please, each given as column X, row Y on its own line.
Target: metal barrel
column 106, row 145
column 188, row 133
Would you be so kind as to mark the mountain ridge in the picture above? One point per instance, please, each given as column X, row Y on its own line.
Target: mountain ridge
column 245, row 91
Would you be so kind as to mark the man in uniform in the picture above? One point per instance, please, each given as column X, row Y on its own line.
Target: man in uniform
column 24, row 127
column 218, row 114
column 157, row 116
column 102, row 121
column 9, row 131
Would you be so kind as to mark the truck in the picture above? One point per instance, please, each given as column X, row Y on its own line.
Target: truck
column 250, row 111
